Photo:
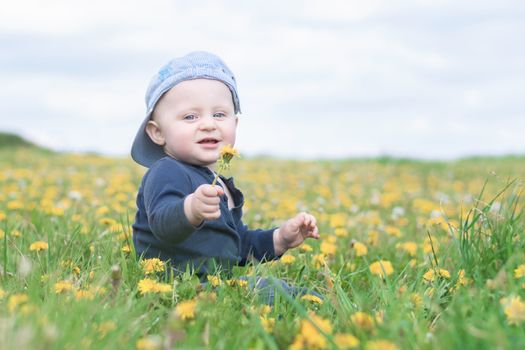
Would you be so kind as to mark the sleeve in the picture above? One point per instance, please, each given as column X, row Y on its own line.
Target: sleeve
column 257, row 243
column 165, row 189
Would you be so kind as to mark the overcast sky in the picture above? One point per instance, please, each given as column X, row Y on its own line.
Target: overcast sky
column 425, row 79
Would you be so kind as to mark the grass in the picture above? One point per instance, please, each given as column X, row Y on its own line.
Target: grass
column 453, row 232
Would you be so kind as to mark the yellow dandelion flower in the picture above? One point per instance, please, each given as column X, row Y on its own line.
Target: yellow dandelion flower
column 226, row 153
column 237, row 282
column 287, row 259
column 416, row 300
column 362, row 320
column 15, row 300
column 126, row 249
column 84, row 294
column 360, row 249
column 346, row 341
column 380, row 345
column 214, row 280
column 147, row 285
column 153, row 265
column 319, row 260
column 163, row 288
column 268, row 323
column 63, row 286
column 514, row 309
column 519, row 271
column 38, row 246
column 328, row 248
column 430, row 275
column 393, row 231
column 2, row 216
column 309, row 336
column 312, row 298
column 341, row 232
column 306, row 247
column 186, row 309
column 105, row 327
column 16, row 233
column 409, row 247
column 149, row 343
column 381, row 268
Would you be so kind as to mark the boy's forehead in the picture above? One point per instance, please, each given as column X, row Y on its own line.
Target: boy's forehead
column 196, row 90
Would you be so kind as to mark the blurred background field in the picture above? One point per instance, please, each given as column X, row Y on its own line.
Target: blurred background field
column 413, row 255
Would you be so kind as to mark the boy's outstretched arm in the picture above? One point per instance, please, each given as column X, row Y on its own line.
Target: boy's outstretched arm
column 294, row 231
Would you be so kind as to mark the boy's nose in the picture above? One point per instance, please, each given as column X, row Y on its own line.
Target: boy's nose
column 207, row 123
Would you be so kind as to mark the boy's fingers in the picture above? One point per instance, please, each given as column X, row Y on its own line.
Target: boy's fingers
column 212, row 191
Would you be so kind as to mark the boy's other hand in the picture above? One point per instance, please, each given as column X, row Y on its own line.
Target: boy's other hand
column 293, row 232
column 203, row 204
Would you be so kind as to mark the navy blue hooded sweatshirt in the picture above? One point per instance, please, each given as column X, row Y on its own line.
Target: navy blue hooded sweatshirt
column 162, row 230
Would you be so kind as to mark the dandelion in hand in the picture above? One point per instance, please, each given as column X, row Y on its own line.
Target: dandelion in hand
column 226, row 155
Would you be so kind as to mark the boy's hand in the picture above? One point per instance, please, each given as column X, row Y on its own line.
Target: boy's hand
column 294, row 231
column 203, row 204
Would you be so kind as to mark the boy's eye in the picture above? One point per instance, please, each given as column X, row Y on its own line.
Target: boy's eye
column 189, row 117
column 219, row 115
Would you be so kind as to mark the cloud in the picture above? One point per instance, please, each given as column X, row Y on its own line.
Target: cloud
column 421, row 78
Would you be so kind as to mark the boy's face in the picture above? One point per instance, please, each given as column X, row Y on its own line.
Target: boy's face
column 193, row 120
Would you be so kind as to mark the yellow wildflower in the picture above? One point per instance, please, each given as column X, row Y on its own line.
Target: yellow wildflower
column 362, row 320
column 430, row 275
column 2, row 293
column 393, row 231
column 226, row 153
column 84, row 294
column 126, row 249
column 186, row 309
column 519, row 271
column 309, row 336
column 346, row 341
column 287, row 259
column 214, row 280
column 514, row 309
column 149, row 343
column 416, row 300
column 153, row 265
column 237, row 282
column 381, row 268
column 319, row 260
column 360, row 249
column 105, row 327
column 38, row 246
column 2, row 215
column 409, row 247
column 148, row 285
column 63, row 286
column 341, row 232
column 312, row 298
column 268, row 323
column 380, row 345
column 16, row 233
column 306, row 247
column 15, row 300
column 328, row 248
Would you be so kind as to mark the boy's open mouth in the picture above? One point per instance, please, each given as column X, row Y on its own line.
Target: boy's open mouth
column 208, row 140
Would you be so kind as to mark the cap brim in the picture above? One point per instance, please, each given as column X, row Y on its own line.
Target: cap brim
column 144, row 151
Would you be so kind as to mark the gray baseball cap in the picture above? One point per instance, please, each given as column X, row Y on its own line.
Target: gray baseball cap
column 195, row 65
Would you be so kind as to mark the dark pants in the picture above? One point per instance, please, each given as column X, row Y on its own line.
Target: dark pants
column 267, row 288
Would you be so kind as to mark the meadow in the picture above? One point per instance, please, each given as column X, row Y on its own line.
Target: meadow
column 413, row 255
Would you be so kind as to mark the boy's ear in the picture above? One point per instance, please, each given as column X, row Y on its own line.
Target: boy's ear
column 154, row 133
